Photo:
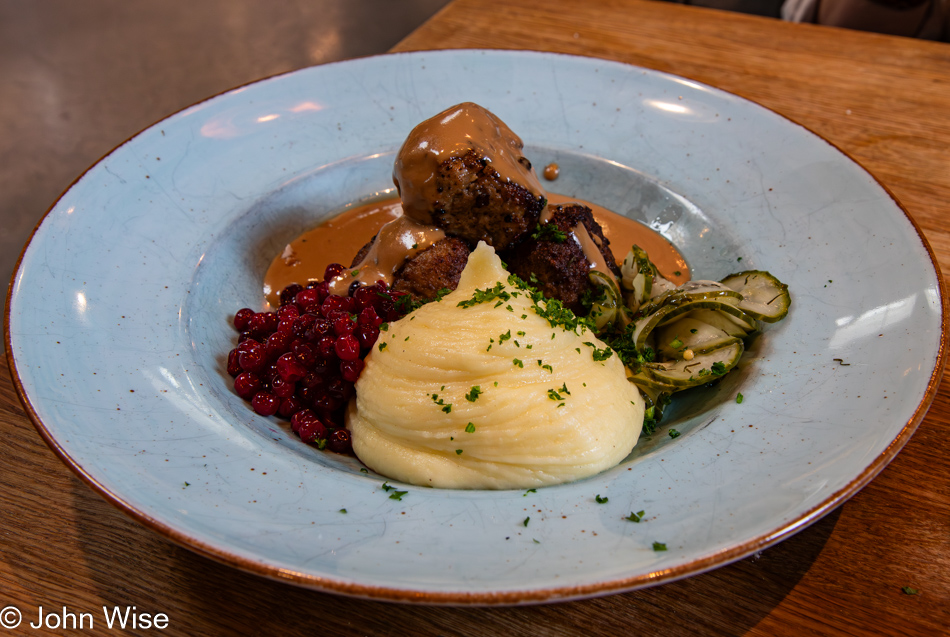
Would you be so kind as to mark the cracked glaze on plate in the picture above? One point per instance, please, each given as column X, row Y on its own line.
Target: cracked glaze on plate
column 119, row 310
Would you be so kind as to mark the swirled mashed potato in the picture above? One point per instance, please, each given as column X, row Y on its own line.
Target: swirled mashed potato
column 491, row 396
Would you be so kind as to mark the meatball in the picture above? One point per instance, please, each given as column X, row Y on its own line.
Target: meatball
column 555, row 257
column 476, row 204
column 437, row 267
column 464, row 171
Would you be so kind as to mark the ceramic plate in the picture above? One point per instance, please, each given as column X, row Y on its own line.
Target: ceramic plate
column 119, row 313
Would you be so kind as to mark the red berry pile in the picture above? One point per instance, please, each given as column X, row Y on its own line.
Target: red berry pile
column 301, row 362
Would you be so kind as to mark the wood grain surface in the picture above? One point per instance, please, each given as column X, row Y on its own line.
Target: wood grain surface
column 883, row 100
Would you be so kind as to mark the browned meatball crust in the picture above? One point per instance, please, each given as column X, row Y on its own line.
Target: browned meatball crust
column 438, row 266
column 476, row 204
column 561, row 269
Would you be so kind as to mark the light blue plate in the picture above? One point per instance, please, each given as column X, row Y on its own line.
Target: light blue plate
column 119, row 315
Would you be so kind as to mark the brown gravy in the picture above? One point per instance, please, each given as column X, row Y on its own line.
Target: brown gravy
column 340, row 238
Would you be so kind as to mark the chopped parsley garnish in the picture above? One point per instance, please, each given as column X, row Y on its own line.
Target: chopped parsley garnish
column 674, row 433
column 677, row 273
column 364, row 470
column 600, row 500
column 564, row 389
column 649, row 421
column 602, row 354
column 354, row 273
column 382, row 346
column 739, row 398
column 517, row 362
column 635, row 517
column 458, row 452
column 526, row 520
column 387, row 487
column 659, row 546
column 504, row 337
column 384, row 327
column 529, row 491
column 446, row 407
column 553, row 395
column 397, row 495
column 676, row 344
column 549, row 232
column 483, row 296
column 342, row 511
column 908, row 590
column 693, row 331
column 470, row 428
column 718, row 368
column 473, row 393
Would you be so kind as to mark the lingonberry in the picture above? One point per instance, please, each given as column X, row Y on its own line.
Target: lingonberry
column 306, row 354
column 327, row 347
column 286, row 312
column 290, row 368
column 242, row 317
column 350, row 370
column 339, row 441
column 312, row 431
column 289, row 407
column 247, row 384
column 342, row 323
column 347, row 347
column 234, row 367
column 252, row 359
column 307, row 300
column 369, row 317
column 332, row 271
column 265, row 403
column 282, row 388
column 334, row 303
column 288, row 293
column 367, row 336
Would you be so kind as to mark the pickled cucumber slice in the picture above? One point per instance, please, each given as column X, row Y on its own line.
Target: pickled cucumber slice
column 702, row 368
column 763, row 296
column 690, row 335
column 611, row 308
column 720, row 321
column 692, row 291
column 644, row 327
column 637, row 274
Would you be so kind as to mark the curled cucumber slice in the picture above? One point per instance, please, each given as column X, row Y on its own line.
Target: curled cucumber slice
column 637, row 275
column 702, row 368
column 763, row 296
column 723, row 321
column 690, row 292
column 643, row 327
column 610, row 308
column 688, row 337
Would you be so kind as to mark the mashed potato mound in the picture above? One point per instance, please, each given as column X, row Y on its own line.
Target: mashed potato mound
column 490, row 396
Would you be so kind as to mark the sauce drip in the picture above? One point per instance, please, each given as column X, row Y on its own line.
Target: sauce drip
column 591, row 252
column 341, row 237
column 398, row 240
column 452, row 133
column 551, row 172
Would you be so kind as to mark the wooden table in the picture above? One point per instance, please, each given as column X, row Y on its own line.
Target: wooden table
column 883, row 100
